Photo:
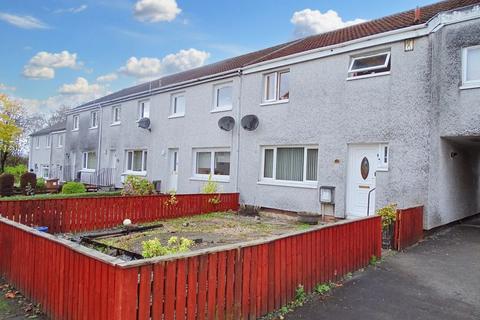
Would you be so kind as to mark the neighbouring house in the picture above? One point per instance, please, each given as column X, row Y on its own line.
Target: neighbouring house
column 383, row 111
column 47, row 152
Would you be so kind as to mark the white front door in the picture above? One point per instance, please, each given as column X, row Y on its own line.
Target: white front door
column 361, row 179
column 173, row 179
column 113, row 165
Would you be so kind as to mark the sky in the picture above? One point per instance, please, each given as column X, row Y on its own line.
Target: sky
column 65, row 52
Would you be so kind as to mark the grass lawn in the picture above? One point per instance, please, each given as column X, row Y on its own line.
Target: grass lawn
column 61, row 196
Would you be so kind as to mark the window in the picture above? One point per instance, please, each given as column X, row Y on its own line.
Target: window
column 383, row 155
column 215, row 163
column 178, row 105
column 45, row 172
column 116, row 115
column 144, row 109
column 94, row 119
column 89, row 161
column 48, row 141
column 276, row 86
column 60, row 141
column 137, row 161
column 378, row 63
column 223, row 97
column 471, row 66
column 37, row 142
column 76, row 122
column 292, row 164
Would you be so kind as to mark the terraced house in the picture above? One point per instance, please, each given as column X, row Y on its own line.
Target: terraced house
column 379, row 112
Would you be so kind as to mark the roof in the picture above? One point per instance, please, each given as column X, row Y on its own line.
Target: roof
column 389, row 23
column 59, row 126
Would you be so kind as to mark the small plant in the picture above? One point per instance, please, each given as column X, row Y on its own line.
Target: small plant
column 137, row 186
column 7, row 181
column 172, row 201
column 73, row 188
column 300, row 296
column 215, row 200
column 40, row 183
column 373, row 261
column 28, row 178
column 154, row 248
column 323, row 288
column 388, row 214
column 211, row 187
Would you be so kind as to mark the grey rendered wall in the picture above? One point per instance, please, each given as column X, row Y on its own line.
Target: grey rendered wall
column 198, row 129
column 327, row 110
column 457, row 115
column 40, row 156
column 58, row 156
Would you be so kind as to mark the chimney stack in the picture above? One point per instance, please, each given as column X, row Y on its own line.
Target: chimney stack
column 416, row 18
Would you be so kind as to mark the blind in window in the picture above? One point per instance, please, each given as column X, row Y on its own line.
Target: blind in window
column 290, row 164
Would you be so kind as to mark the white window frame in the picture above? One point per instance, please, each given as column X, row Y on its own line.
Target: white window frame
column 275, row 99
column 216, row 88
column 351, row 71
column 466, row 84
column 47, row 168
column 383, row 157
column 274, row 181
column 60, row 140
column 49, row 141
column 116, row 110
column 37, row 142
column 144, row 109
column 172, row 105
column 76, row 122
column 142, row 172
column 85, row 161
column 94, row 120
column 215, row 177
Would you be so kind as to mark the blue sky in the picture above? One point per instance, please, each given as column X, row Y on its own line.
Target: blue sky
column 100, row 37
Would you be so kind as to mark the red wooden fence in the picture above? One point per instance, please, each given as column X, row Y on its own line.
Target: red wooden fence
column 86, row 214
column 408, row 227
column 234, row 282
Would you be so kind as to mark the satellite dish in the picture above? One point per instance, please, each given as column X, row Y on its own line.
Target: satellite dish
column 226, row 123
column 250, row 122
column 144, row 123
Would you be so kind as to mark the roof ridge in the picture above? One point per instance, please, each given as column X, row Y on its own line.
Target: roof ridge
column 285, row 45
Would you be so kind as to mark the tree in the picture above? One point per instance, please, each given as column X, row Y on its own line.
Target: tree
column 10, row 131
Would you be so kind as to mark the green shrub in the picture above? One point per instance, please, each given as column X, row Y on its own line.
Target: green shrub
column 73, row 188
column 7, row 181
column 17, row 171
column 388, row 214
column 40, row 183
column 28, row 178
column 137, row 186
column 154, row 248
column 210, row 186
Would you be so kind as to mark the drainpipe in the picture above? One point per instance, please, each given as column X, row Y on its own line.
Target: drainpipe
column 100, row 127
column 239, row 113
column 51, row 153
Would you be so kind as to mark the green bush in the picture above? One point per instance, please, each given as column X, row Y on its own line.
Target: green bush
column 26, row 179
column 73, row 188
column 154, row 248
column 40, row 183
column 388, row 214
column 16, row 171
column 137, row 186
column 7, row 181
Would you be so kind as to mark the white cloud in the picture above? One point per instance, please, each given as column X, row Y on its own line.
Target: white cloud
column 107, row 77
column 149, row 68
column 81, row 8
column 308, row 22
column 43, row 64
column 4, row 87
column 24, row 22
column 81, row 86
column 156, row 10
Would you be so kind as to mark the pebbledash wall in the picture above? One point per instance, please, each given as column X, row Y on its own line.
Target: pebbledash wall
column 411, row 109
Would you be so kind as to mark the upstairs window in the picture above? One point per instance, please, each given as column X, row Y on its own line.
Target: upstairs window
column 37, row 142
column 137, row 161
column 471, row 66
column 144, row 109
column 76, row 122
column 94, row 119
column 48, row 141
column 116, row 115
column 223, row 97
column 60, row 141
column 276, row 86
column 178, row 105
column 89, row 160
column 378, row 63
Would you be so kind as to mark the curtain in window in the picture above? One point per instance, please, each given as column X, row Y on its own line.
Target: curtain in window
column 290, row 164
column 137, row 160
column 312, row 161
column 145, row 161
column 284, row 87
column 268, row 165
column 92, row 160
column 473, row 64
column 203, row 162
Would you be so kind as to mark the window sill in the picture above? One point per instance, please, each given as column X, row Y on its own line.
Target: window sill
column 470, row 86
column 59, row 147
column 93, row 128
column 75, row 130
column 179, row 115
column 373, row 75
column 135, row 173
column 115, row 124
column 214, row 178
column 303, row 185
column 88, row 170
column 269, row 103
column 216, row 110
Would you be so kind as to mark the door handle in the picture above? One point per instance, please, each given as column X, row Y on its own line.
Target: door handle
column 364, row 187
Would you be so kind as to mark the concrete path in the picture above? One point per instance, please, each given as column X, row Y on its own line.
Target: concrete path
column 437, row 279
